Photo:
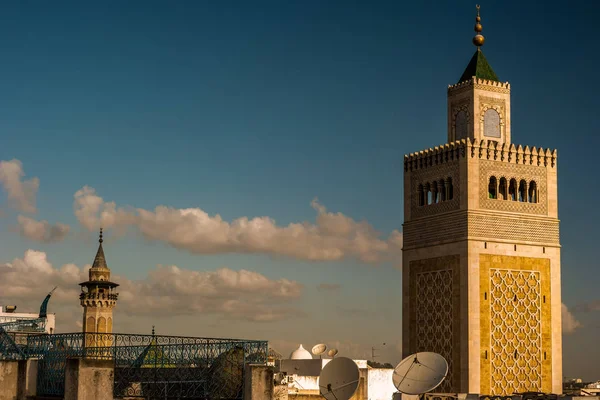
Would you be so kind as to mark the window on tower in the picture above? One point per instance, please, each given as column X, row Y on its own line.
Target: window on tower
column 435, row 192
column 512, row 190
column 429, row 194
column 449, row 189
column 523, row 190
column 442, row 190
column 502, row 193
column 533, row 197
column 491, row 123
column 493, row 188
column 460, row 125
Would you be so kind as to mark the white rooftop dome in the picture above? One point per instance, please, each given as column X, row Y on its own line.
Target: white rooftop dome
column 300, row 354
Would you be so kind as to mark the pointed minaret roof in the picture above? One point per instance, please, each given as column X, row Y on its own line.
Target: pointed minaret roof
column 478, row 66
column 100, row 260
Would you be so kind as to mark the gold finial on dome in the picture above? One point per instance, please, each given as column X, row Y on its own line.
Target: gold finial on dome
column 478, row 39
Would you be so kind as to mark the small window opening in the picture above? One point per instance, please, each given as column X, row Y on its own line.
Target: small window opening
column 503, row 194
column 449, row 189
column 522, row 191
column 515, row 247
column 485, row 245
column 512, row 190
column 493, row 188
column 533, row 192
column 429, row 194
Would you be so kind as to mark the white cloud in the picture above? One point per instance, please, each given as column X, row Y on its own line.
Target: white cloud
column 42, row 231
column 21, row 193
column 569, row 323
column 165, row 292
column 333, row 237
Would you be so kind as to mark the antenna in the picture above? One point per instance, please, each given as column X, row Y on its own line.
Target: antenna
column 319, row 349
column 339, row 379
column 373, row 355
column 420, row 373
column 331, row 353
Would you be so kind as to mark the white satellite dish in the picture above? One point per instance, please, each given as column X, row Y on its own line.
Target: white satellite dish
column 319, row 349
column 339, row 379
column 420, row 373
column 331, row 353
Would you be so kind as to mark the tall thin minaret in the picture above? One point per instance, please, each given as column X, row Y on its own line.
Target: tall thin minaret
column 98, row 297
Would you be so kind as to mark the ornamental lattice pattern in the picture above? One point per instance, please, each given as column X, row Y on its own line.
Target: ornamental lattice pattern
column 434, row 318
column 515, row 331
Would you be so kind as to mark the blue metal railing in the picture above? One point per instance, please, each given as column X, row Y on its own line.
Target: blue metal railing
column 150, row 366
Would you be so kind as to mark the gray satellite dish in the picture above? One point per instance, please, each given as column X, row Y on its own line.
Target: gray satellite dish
column 339, row 379
column 331, row 353
column 319, row 349
column 420, row 373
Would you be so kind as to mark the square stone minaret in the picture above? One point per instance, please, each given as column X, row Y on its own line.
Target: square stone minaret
column 481, row 256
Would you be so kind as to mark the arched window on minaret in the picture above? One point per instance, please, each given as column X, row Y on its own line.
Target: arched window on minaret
column 449, row 189
column 435, row 197
column 502, row 193
column 523, row 190
column 493, row 188
column 512, row 190
column 491, row 123
column 533, row 197
column 460, row 125
column 421, row 195
column 428, row 192
column 442, row 190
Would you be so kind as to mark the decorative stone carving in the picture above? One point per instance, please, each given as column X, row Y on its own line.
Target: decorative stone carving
column 515, row 331
column 499, row 169
column 515, row 324
column 433, row 174
column 435, row 315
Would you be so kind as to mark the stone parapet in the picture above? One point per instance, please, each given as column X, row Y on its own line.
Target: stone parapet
column 478, row 83
column 484, row 149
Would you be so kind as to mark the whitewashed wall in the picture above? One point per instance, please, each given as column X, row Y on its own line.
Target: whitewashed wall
column 379, row 384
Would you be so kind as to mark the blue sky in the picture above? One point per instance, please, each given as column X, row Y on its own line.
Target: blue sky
column 256, row 108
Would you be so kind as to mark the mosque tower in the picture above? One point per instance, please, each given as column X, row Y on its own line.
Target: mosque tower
column 481, row 255
column 98, row 298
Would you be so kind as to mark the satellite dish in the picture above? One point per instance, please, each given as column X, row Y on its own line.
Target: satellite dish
column 420, row 373
column 319, row 349
column 339, row 379
column 331, row 353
